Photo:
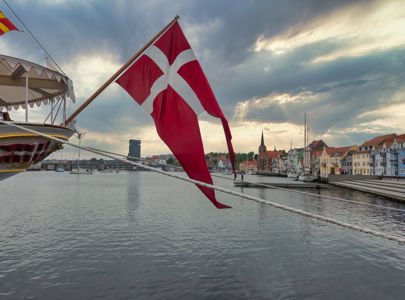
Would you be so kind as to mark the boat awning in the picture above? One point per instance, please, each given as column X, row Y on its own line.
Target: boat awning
column 44, row 84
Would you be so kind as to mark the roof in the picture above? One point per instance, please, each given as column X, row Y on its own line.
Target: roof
column 317, row 145
column 337, row 151
column 272, row 154
column 282, row 153
column 44, row 84
column 379, row 141
column 401, row 138
column 360, row 152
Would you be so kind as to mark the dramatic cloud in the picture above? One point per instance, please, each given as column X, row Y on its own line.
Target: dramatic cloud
column 342, row 62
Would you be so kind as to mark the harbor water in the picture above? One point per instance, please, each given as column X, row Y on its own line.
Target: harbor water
column 141, row 235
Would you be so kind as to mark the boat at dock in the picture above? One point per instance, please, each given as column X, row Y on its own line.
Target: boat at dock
column 306, row 174
column 78, row 170
column 81, row 171
column 109, row 171
column 292, row 175
column 23, row 85
column 306, row 177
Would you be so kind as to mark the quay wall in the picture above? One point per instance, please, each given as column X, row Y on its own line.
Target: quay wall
column 394, row 178
column 264, row 173
column 338, row 178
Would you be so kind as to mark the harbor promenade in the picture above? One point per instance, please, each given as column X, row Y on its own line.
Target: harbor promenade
column 388, row 188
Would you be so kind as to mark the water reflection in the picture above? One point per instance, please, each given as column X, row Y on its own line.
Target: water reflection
column 133, row 194
column 139, row 235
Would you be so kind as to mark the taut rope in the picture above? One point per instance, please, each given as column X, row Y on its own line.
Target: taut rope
column 270, row 185
column 396, row 238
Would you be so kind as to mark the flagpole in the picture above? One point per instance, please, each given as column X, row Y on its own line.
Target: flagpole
column 117, row 73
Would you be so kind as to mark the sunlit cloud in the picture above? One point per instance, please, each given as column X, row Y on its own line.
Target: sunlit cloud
column 358, row 29
column 245, row 108
column 90, row 71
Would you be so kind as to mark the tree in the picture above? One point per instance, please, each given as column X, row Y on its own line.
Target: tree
column 239, row 157
column 250, row 155
column 256, row 156
column 170, row 161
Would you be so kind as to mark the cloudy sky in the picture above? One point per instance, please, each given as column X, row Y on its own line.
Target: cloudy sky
column 342, row 62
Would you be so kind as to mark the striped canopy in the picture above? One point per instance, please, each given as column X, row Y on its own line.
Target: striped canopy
column 44, row 84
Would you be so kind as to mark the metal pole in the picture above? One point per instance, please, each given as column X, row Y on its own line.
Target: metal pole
column 64, row 111
column 305, row 141
column 26, row 97
column 78, row 154
column 51, row 111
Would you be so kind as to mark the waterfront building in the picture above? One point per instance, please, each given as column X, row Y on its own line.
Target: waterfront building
column 378, row 161
column 314, row 146
column 401, row 141
column 347, row 161
column 294, row 157
column 331, row 160
column 383, row 154
column 224, row 163
column 279, row 162
column 266, row 159
column 248, row 166
column 401, row 155
column 134, row 148
column 156, row 160
column 392, row 159
column 283, row 161
column 316, row 163
column 361, row 162
column 317, row 145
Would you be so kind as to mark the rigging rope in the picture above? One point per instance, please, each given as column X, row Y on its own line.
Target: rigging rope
column 376, row 233
column 30, row 34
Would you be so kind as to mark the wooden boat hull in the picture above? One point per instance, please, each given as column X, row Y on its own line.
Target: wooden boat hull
column 20, row 149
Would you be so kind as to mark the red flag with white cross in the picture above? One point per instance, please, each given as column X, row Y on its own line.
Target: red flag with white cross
column 168, row 82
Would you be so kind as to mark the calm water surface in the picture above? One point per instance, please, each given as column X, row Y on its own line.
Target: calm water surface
column 140, row 235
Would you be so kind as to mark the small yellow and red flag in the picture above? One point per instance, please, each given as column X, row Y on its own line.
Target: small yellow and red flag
column 5, row 24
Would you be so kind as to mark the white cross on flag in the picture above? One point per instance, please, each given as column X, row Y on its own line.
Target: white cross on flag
column 168, row 82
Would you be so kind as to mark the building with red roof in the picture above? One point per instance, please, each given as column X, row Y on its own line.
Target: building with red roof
column 248, row 166
column 331, row 160
column 384, row 154
column 266, row 159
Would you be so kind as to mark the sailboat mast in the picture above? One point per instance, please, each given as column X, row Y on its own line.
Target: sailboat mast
column 305, row 140
column 78, row 154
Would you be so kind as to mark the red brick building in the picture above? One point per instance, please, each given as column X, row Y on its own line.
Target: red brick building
column 266, row 159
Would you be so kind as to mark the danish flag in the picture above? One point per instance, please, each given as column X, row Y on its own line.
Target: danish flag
column 168, row 82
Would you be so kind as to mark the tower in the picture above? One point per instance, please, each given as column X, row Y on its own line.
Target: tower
column 134, row 148
column 262, row 147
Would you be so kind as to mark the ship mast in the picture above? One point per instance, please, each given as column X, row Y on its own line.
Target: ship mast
column 305, row 141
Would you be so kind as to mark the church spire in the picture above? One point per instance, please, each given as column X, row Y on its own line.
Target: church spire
column 262, row 143
column 262, row 147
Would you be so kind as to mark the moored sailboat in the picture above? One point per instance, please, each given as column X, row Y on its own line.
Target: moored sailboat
column 78, row 170
column 306, row 172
